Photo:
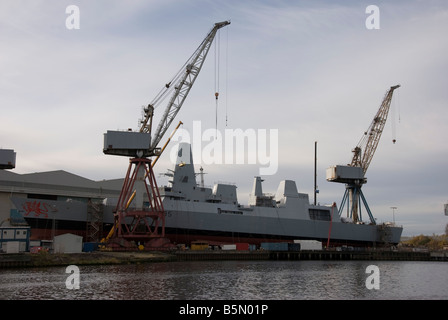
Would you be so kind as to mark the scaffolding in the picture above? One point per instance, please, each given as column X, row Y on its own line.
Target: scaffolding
column 95, row 213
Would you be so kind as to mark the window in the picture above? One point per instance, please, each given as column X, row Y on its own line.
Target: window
column 42, row 196
column 320, row 214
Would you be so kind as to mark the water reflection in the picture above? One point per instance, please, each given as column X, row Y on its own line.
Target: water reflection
column 232, row 280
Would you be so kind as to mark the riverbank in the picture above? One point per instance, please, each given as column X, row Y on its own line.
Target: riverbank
column 45, row 259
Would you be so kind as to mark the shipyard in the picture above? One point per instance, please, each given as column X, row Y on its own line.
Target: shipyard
column 242, row 156
column 142, row 215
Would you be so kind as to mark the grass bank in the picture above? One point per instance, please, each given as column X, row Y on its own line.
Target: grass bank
column 44, row 259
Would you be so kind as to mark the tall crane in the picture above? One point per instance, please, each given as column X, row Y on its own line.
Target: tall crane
column 137, row 219
column 353, row 175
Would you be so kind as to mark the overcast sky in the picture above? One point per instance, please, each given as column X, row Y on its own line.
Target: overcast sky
column 310, row 69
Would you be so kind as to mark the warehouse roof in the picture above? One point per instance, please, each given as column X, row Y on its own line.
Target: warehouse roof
column 59, row 179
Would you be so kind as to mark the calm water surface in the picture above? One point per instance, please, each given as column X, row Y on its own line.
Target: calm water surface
column 232, row 280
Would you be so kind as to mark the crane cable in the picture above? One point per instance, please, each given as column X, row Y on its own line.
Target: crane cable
column 395, row 107
column 217, row 75
column 217, row 65
column 227, row 71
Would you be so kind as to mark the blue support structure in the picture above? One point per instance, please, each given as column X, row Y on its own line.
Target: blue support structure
column 372, row 219
column 357, row 195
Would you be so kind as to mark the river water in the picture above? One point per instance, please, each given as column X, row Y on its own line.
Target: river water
column 232, row 280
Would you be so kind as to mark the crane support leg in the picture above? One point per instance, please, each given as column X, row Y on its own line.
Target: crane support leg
column 141, row 222
column 372, row 219
column 352, row 197
column 344, row 199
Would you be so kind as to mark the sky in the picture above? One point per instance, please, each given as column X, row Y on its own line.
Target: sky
column 308, row 70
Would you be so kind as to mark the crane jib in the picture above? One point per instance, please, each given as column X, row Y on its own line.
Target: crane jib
column 364, row 151
column 183, row 82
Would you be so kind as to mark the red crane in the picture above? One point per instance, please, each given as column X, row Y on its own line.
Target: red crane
column 139, row 216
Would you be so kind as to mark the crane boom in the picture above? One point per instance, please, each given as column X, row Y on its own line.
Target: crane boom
column 182, row 82
column 364, row 151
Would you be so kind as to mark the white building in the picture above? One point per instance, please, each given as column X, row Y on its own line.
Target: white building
column 67, row 243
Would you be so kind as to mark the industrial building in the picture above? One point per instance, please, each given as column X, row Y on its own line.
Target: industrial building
column 56, row 202
column 14, row 239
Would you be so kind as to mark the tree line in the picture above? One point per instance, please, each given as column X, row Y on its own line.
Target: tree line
column 434, row 242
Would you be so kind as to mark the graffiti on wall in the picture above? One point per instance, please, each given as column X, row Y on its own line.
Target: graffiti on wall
column 38, row 209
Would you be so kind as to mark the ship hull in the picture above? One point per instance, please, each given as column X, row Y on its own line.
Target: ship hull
column 189, row 221
column 183, row 227
column 183, row 235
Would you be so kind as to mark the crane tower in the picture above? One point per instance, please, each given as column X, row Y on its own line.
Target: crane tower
column 139, row 216
column 353, row 175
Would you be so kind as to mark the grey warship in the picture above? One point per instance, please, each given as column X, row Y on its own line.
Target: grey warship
column 194, row 212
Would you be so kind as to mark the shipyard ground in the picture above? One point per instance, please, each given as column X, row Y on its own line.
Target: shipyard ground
column 45, row 259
